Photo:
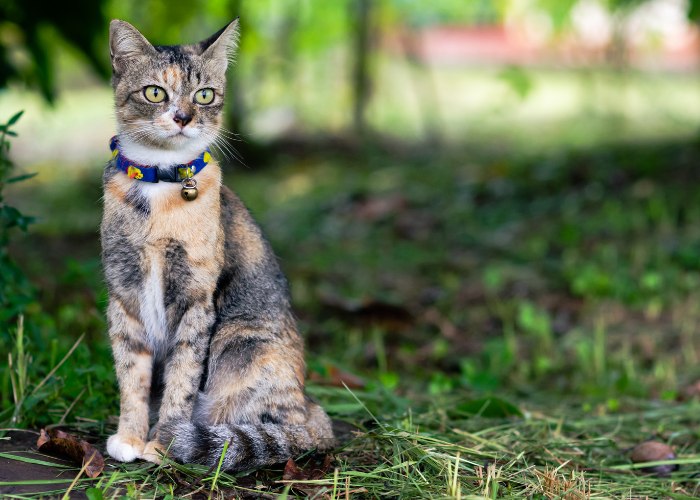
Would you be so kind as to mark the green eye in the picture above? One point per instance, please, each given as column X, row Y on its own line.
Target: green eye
column 204, row 96
column 154, row 93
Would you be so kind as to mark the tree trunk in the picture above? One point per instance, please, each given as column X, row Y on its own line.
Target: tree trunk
column 360, row 23
column 236, row 112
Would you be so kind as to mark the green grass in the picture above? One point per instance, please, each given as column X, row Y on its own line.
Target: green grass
column 519, row 322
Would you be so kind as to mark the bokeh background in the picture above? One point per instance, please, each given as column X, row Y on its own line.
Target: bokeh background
column 468, row 197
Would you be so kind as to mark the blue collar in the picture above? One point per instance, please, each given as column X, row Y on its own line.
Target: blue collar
column 176, row 173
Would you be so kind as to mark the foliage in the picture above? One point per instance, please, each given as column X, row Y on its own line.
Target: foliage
column 31, row 32
column 15, row 290
column 277, row 33
column 511, row 324
column 30, row 382
column 534, row 315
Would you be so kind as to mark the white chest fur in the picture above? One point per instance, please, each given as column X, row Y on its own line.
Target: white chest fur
column 152, row 311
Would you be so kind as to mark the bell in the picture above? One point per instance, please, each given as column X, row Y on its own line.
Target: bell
column 189, row 189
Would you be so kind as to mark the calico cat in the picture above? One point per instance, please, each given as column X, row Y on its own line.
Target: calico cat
column 199, row 318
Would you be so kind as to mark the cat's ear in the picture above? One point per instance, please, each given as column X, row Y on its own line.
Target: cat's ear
column 125, row 44
column 221, row 46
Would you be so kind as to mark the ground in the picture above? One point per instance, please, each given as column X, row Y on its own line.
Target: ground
column 506, row 325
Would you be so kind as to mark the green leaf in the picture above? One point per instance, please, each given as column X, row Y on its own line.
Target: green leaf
column 15, row 118
column 19, row 178
column 694, row 10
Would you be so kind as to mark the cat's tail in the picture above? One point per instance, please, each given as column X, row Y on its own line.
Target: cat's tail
column 248, row 446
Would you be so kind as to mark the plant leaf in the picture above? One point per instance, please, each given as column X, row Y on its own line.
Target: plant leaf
column 14, row 118
column 22, row 177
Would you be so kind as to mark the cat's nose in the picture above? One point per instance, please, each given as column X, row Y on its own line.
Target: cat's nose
column 181, row 118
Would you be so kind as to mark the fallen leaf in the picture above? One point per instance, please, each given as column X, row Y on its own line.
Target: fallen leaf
column 654, row 451
column 81, row 452
column 292, row 472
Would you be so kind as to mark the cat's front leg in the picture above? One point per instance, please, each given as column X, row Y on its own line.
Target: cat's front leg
column 133, row 361
column 183, row 372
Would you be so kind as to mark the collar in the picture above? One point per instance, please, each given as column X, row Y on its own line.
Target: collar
column 145, row 173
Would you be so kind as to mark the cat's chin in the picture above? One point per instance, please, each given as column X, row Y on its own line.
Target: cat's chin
column 173, row 151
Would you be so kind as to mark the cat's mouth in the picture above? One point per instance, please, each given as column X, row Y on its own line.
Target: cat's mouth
column 183, row 133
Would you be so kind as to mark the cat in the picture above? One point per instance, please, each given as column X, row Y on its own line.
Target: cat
column 199, row 318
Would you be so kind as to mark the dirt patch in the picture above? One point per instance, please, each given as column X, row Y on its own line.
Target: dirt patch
column 23, row 444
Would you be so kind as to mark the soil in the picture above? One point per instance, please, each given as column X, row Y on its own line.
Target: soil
column 23, row 443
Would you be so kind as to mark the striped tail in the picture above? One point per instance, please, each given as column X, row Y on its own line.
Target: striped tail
column 250, row 446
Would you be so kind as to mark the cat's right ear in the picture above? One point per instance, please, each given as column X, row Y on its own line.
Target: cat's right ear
column 125, row 44
column 221, row 46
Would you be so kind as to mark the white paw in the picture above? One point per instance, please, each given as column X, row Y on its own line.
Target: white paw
column 124, row 448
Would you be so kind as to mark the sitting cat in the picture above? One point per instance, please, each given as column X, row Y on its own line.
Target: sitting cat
column 199, row 315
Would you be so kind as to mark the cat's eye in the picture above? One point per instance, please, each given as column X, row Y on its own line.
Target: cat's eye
column 204, row 96
column 154, row 93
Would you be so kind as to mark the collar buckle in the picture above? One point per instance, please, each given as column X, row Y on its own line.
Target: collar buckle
column 177, row 173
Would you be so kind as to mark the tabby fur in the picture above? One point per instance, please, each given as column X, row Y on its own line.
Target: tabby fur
column 204, row 341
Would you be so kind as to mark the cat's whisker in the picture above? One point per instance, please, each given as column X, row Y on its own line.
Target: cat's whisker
column 232, row 135
column 223, row 145
column 220, row 144
column 224, row 150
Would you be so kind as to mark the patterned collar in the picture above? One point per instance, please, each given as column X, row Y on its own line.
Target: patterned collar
column 176, row 173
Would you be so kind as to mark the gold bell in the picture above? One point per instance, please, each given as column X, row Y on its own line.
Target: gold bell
column 189, row 189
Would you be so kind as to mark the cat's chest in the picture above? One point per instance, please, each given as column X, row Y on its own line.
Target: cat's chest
column 174, row 246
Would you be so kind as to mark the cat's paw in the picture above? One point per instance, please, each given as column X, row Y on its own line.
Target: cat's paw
column 124, row 448
column 153, row 452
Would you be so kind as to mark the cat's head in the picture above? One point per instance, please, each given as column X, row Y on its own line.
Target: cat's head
column 169, row 97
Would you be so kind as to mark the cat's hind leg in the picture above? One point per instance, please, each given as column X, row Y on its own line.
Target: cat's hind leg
column 254, row 400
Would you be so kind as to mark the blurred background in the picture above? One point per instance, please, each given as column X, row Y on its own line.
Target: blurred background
column 480, row 195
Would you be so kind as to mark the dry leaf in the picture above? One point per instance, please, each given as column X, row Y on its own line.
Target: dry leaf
column 654, row 451
column 81, row 452
column 292, row 472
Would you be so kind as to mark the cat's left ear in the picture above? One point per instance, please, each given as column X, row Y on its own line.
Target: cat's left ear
column 126, row 44
column 221, row 46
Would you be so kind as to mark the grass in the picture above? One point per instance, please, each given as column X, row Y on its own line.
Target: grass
column 510, row 324
column 518, row 325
